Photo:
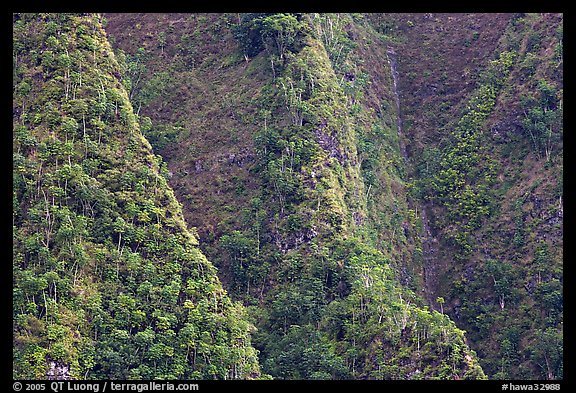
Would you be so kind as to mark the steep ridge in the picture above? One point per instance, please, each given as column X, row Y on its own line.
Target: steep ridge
column 381, row 195
column 108, row 281
column 323, row 249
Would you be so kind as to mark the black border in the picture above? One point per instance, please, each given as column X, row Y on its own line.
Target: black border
column 293, row 6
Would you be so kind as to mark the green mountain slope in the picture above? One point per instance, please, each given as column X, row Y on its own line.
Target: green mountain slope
column 308, row 154
column 301, row 196
column 108, row 280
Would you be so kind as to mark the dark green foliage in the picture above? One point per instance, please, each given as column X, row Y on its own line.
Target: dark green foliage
column 276, row 33
column 487, row 159
column 303, row 353
column 547, row 352
column 160, row 135
column 248, row 33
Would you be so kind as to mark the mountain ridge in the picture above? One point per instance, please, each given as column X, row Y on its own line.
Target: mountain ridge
column 379, row 196
column 96, row 293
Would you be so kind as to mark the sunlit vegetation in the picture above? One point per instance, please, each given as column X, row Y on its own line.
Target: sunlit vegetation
column 108, row 280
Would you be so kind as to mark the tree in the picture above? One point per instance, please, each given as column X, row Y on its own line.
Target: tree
column 279, row 32
column 549, row 296
column 547, row 352
column 502, row 275
column 543, row 118
column 276, row 33
column 440, row 301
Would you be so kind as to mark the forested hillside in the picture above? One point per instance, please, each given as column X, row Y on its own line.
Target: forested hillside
column 288, row 196
column 108, row 280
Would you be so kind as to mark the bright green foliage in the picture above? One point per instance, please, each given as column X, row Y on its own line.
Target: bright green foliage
column 330, row 29
column 279, row 32
column 108, row 281
column 465, row 171
column 519, row 273
column 337, row 310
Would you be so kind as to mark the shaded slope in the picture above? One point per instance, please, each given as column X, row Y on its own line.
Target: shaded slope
column 483, row 109
column 108, row 280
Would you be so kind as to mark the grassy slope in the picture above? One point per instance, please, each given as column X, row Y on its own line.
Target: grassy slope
column 525, row 197
column 209, row 98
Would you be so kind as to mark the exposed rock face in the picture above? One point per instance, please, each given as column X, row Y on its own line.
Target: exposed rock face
column 58, row 371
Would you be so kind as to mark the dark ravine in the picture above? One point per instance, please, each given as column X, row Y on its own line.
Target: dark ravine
column 444, row 61
column 391, row 54
column 428, row 240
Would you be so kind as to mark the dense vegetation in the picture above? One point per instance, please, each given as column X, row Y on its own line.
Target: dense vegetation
column 108, row 280
column 310, row 252
column 381, row 195
column 337, row 302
